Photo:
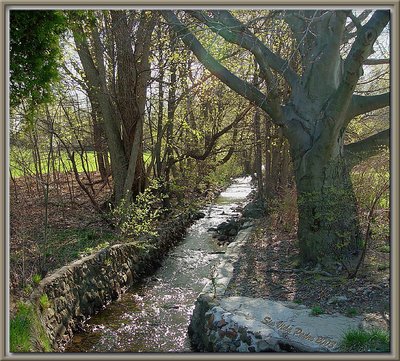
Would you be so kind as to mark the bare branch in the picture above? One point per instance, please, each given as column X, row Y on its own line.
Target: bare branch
column 360, row 51
column 240, row 86
column 376, row 61
column 357, row 20
column 233, row 31
column 364, row 104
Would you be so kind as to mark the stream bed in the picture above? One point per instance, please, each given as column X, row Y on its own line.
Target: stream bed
column 153, row 316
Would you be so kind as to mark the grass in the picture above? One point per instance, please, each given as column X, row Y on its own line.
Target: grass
column 351, row 312
column 374, row 340
column 20, row 330
column 316, row 311
column 66, row 245
column 44, row 301
column 36, row 279
column 26, row 332
column 22, row 158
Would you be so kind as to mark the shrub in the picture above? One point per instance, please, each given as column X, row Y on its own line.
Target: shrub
column 139, row 218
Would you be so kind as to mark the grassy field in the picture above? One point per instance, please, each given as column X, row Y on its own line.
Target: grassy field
column 21, row 162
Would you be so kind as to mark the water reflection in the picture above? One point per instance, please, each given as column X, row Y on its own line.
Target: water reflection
column 154, row 315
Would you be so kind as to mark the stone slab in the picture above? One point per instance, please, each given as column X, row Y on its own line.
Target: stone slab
column 290, row 325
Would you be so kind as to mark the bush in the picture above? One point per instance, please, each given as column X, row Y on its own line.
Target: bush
column 139, row 218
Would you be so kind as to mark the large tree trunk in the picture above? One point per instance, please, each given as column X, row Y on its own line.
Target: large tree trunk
column 133, row 72
column 328, row 225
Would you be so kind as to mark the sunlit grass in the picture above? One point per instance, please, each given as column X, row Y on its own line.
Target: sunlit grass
column 26, row 332
column 365, row 341
column 22, row 162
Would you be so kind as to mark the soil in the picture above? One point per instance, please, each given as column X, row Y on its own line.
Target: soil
column 269, row 268
column 68, row 209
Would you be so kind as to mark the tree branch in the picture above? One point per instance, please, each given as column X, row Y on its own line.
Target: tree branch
column 230, row 29
column 217, row 135
column 355, row 153
column 243, row 88
column 360, row 51
column 357, row 20
column 364, row 104
column 376, row 61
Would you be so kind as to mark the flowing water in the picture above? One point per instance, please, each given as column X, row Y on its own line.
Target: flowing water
column 154, row 315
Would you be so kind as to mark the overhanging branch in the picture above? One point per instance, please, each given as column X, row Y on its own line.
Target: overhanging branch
column 219, row 134
column 235, row 32
column 364, row 104
column 240, row 86
column 376, row 61
column 359, row 151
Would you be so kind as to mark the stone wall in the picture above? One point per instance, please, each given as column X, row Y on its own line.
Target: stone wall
column 73, row 293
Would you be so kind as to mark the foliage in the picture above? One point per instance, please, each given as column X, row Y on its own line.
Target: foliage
column 221, row 175
column 36, row 279
column 316, row 311
column 329, row 211
column 44, row 301
column 374, row 340
column 385, row 248
column 370, row 180
column 139, row 218
column 34, row 54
